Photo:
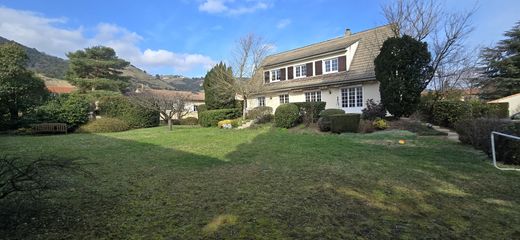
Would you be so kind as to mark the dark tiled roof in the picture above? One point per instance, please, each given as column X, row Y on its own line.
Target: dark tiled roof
column 361, row 67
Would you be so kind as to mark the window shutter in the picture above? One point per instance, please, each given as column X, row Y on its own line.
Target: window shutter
column 266, row 76
column 342, row 63
column 290, row 72
column 309, row 70
column 282, row 73
column 318, row 67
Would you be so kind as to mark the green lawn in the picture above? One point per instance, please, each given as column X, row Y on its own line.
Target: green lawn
column 264, row 183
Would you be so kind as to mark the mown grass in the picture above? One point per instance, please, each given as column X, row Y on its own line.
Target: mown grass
column 200, row 183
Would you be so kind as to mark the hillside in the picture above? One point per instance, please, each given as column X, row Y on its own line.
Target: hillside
column 55, row 67
column 43, row 63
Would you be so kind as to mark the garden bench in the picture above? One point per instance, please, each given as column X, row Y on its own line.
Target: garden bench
column 49, row 128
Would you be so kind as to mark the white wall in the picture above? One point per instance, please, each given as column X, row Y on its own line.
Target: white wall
column 514, row 103
column 332, row 96
column 189, row 107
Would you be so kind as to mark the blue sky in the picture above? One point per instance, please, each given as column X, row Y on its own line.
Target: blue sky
column 188, row 36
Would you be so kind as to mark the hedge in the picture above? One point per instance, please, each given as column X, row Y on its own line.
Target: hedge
column 134, row 115
column 324, row 120
column 103, row 125
column 344, row 122
column 331, row 111
column 71, row 109
column 286, row 115
column 476, row 132
column 189, row 121
column 310, row 111
column 448, row 112
column 210, row 118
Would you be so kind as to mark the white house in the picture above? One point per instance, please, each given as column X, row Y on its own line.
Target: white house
column 339, row 72
column 514, row 103
column 192, row 99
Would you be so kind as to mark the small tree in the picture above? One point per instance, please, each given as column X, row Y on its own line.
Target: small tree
column 218, row 91
column 20, row 90
column 403, row 70
column 169, row 106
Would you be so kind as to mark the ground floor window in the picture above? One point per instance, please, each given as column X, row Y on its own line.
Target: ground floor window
column 313, row 96
column 284, row 98
column 195, row 108
column 352, row 97
column 261, row 101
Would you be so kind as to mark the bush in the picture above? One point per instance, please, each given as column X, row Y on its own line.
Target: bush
column 366, row 126
column 340, row 123
column 286, row 115
column 103, row 125
column 71, row 109
column 373, row 110
column 202, row 108
column 310, row 111
column 500, row 110
column 210, row 118
column 134, row 115
column 189, row 121
column 259, row 112
column 380, row 124
column 231, row 122
column 477, row 132
column 331, row 111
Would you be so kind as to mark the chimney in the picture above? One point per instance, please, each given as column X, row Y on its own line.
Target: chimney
column 347, row 32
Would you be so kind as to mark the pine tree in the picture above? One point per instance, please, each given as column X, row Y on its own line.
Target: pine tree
column 502, row 66
column 402, row 69
column 97, row 68
column 217, row 90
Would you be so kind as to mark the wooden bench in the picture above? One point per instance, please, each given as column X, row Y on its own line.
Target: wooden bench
column 49, row 128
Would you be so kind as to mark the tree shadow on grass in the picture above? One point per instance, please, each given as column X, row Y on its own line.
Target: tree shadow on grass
column 126, row 177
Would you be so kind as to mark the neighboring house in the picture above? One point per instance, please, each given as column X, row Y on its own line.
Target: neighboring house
column 339, row 72
column 193, row 99
column 514, row 103
column 57, row 86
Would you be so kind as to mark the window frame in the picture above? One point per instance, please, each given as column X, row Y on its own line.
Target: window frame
column 261, row 101
column 352, row 97
column 285, row 98
column 301, row 67
column 313, row 96
column 330, row 61
column 275, row 75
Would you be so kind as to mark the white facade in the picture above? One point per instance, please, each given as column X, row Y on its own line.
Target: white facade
column 333, row 97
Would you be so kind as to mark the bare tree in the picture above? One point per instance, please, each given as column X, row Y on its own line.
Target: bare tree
column 169, row 105
column 248, row 55
column 444, row 31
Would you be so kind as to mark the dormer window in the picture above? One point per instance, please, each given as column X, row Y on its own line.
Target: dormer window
column 330, row 65
column 300, row 71
column 275, row 75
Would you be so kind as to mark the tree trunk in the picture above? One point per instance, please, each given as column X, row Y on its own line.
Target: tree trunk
column 244, row 108
column 170, row 126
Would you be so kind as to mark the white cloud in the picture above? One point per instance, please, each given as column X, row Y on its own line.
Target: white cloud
column 46, row 34
column 225, row 6
column 283, row 23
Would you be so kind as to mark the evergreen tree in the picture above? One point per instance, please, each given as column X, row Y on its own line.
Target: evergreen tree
column 402, row 69
column 97, row 68
column 20, row 90
column 218, row 94
column 502, row 66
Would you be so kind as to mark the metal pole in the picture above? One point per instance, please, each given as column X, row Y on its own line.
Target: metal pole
column 493, row 149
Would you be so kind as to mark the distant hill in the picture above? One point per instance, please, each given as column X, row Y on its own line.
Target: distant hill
column 43, row 63
column 55, row 67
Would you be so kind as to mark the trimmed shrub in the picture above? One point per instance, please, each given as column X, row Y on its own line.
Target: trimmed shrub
column 259, row 112
column 70, row 109
column 500, row 110
column 202, row 108
column 366, row 126
column 476, row 132
column 447, row 113
column 310, row 111
column 373, row 110
column 324, row 120
column 134, row 115
column 189, row 121
column 286, row 115
column 380, row 124
column 340, row 123
column 104, row 125
column 331, row 111
column 210, row 118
